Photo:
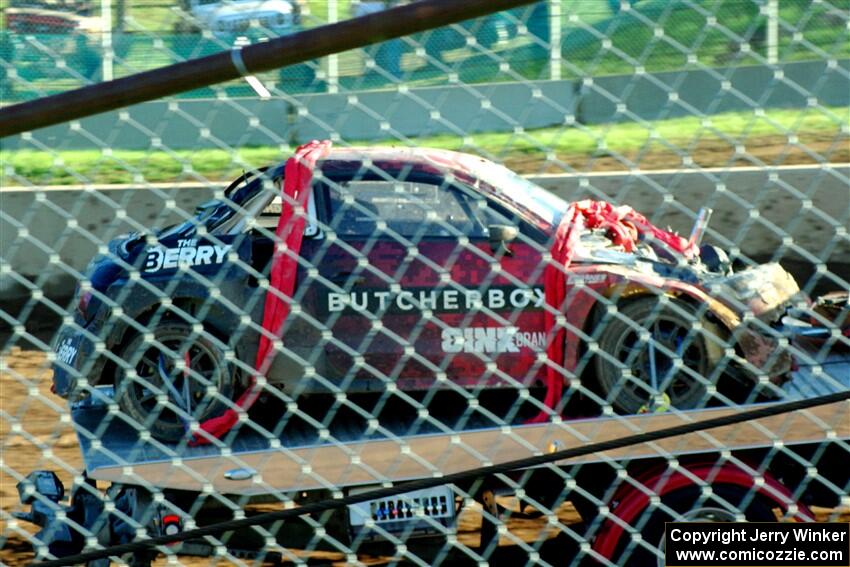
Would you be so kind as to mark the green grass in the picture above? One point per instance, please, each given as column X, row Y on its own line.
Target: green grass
column 92, row 166
column 630, row 136
column 128, row 166
column 687, row 32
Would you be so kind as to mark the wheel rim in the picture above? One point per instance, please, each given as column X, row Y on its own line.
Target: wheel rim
column 181, row 369
column 651, row 353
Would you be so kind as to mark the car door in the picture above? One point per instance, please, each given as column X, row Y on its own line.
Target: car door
column 295, row 366
column 415, row 293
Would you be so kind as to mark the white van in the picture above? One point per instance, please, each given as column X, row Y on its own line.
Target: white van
column 249, row 18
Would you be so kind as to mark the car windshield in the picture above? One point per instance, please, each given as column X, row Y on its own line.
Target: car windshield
column 243, row 199
column 518, row 193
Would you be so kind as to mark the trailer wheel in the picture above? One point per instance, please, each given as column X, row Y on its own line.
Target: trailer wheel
column 181, row 375
column 725, row 504
column 679, row 354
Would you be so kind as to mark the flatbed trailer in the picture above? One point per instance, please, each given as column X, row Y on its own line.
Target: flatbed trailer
column 790, row 461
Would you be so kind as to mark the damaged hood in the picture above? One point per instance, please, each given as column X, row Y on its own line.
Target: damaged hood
column 766, row 291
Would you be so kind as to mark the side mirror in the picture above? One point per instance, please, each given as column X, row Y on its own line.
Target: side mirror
column 500, row 235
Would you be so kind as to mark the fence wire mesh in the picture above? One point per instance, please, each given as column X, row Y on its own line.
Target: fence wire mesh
column 481, row 263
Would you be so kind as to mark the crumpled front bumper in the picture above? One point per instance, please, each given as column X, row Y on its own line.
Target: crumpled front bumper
column 764, row 292
column 754, row 302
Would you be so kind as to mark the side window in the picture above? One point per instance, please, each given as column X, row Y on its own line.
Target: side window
column 483, row 212
column 410, row 209
column 269, row 216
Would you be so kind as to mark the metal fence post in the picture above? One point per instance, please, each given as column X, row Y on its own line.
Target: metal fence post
column 333, row 59
column 555, row 40
column 772, row 31
column 106, row 38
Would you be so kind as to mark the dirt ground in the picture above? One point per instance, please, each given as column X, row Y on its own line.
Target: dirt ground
column 34, row 435
column 812, row 148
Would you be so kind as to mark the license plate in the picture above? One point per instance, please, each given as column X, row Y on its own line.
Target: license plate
column 428, row 509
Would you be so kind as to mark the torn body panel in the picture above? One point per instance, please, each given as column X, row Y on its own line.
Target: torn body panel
column 760, row 296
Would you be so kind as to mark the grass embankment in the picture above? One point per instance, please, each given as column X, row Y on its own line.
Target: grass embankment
column 777, row 137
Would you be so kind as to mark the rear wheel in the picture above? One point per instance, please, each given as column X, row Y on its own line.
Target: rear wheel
column 180, row 376
column 656, row 347
column 726, row 503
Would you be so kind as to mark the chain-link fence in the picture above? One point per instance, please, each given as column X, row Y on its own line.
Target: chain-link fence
column 593, row 38
column 544, row 237
column 151, row 36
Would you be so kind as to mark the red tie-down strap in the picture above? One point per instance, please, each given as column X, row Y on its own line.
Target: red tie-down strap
column 625, row 228
column 289, row 233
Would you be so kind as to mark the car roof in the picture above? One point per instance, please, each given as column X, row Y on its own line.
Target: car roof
column 429, row 160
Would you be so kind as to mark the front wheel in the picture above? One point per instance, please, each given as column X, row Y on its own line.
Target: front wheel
column 657, row 347
column 180, row 376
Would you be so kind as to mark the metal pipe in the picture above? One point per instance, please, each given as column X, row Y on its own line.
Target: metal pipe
column 555, row 40
column 333, row 58
column 106, row 39
column 225, row 66
column 772, row 32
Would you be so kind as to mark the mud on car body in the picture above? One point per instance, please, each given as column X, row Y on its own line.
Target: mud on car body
column 419, row 269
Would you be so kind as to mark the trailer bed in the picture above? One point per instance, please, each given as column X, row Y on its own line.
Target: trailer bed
column 351, row 450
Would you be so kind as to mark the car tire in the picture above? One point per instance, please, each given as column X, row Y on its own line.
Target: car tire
column 673, row 324
column 726, row 503
column 163, row 398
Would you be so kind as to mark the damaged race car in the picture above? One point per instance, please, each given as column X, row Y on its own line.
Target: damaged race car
column 382, row 269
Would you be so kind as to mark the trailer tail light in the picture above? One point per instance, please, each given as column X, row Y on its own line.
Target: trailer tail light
column 171, row 524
